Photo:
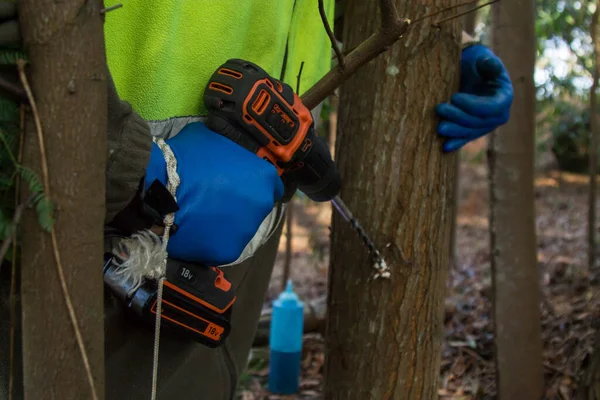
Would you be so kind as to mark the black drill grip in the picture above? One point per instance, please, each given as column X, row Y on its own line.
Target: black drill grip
column 266, row 117
column 316, row 174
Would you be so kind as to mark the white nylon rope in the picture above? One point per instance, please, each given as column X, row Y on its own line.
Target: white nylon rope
column 160, row 272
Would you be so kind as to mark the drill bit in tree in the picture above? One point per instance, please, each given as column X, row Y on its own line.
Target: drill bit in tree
column 383, row 270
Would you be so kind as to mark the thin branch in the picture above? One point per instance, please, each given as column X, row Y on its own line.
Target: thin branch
column 560, row 371
column 13, row 276
column 433, row 14
column 13, row 89
column 10, row 154
column 13, row 228
column 437, row 24
column 334, row 42
column 288, row 245
column 392, row 28
column 11, row 339
column 38, row 124
column 111, row 8
column 59, row 267
column 298, row 77
column 365, row 52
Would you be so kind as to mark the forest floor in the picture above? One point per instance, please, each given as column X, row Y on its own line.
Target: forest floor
column 570, row 295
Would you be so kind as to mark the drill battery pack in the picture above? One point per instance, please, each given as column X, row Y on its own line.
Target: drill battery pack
column 197, row 300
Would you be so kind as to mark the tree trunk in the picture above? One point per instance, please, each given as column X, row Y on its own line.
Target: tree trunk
column 287, row 265
column 65, row 45
column 512, row 216
column 593, row 149
column 384, row 337
column 589, row 385
column 470, row 21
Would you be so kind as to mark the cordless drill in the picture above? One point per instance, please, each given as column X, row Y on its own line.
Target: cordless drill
column 266, row 117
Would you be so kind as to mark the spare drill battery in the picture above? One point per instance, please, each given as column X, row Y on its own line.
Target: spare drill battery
column 197, row 300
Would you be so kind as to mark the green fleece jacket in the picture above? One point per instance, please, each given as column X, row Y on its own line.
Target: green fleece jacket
column 162, row 53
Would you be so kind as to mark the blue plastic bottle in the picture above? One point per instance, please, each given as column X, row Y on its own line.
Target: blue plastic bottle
column 285, row 342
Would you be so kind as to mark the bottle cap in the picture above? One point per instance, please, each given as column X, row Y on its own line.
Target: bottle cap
column 288, row 298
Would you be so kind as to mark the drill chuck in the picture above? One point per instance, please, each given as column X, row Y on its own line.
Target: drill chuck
column 317, row 175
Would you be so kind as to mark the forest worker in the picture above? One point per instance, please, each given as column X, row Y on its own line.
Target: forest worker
column 160, row 57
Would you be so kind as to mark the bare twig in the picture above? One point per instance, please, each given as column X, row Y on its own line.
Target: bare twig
column 288, row 245
column 298, row 77
column 11, row 338
column 6, row 145
column 13, row 89
column 38, row 124
column 365, row 52
column 13, row 276
column 59, row 267
column 443, row 10
column 334, row 42
column 13, row 229
column 464, row 13
column 560, row 371
column 111, row 8
column 391, row 29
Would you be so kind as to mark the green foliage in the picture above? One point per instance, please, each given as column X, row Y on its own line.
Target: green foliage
column 43, row 205
column 9, row 167
column 571, row 137
column 564, row 48
column 10, row 57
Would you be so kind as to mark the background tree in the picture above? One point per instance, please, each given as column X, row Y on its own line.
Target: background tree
column 593, row 153
column 65, row 143
column 384, row 336
column 512, row 215
column 470, row 21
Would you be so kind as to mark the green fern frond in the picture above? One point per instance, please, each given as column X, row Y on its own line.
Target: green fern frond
column 10, row 57
column 9, row 168
column 43, row 205
column 33, row 181
column 45, row 209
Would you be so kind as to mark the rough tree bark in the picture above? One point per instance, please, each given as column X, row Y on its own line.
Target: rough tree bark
column 593, row 149
column 512, row 215
column 384, row 337
column 65, row 45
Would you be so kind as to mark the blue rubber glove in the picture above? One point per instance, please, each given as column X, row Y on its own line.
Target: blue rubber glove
column 224, row 195
column 483, row 102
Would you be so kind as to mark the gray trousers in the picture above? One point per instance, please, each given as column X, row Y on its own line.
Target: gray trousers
column 186, row 370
